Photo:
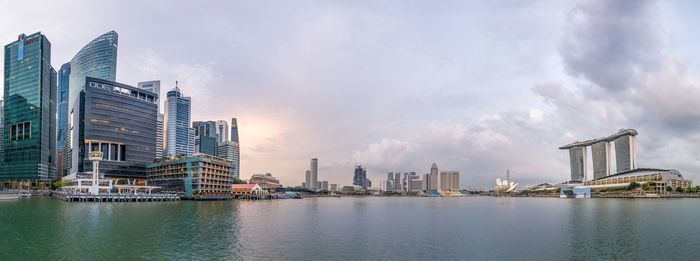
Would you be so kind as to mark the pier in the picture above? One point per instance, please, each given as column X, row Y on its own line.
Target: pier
column 84, row 197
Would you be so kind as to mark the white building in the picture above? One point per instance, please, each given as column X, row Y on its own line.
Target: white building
column 314, row 174
column 222, row 130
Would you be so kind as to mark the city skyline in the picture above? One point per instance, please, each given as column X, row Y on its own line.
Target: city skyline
column 377, row 84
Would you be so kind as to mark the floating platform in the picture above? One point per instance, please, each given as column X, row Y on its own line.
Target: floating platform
column 70, row 197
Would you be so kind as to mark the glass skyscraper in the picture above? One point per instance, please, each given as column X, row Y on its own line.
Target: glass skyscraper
column 29, row 110
column 179, row 137
column 62, row 138
column 97, row 59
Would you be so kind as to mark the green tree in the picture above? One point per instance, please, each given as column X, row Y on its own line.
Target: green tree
column 239, row 181
column 680, row 190
column 633, row 185
column 669, row 189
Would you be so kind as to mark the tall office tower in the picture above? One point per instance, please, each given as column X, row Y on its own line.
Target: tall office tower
column 119, row 120
column 308, row 180
column 179, row 137
column 626, row 153
column 314, row 174
column 449, row 180
column 397, row 181
column 62, row 158
column 229, row 151
column 601, row 159
column 206, row 138
column 407, row 179
column 426, row 182
column 234, row 138
column 360, row 177
column 151, row 86
column 434, row 180
column 97, row 59
column 154, row 87
column 390, row 176
column 234, row 130
column 30, row 107
column 324, row 185
column 2, row 133
column 222, row 130
column 578, row 160
column 159, row 136
column 389, row 185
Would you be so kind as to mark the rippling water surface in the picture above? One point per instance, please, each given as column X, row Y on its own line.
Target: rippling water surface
column 477, row 228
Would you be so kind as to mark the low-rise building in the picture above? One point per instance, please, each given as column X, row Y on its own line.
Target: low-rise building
column 198, row 176
column 661, row 179
column 266, row 181
column 247, row 189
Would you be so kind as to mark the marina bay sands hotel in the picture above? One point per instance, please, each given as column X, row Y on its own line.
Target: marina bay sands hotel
column 625, row 155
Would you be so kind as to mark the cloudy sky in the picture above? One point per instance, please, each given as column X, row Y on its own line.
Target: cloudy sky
column 475, row 86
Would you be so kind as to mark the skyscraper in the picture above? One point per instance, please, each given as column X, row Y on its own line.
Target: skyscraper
column 234, row 130
column 121, row 122
column 229, row 151
column 159, row 135
column 234, row 138
column 314, row 174
column 222, row 130
column 29, row 111
column 154, row 87
column 360, row 177
column 151, row 86
column 434, row 179
column 179, row 137
column 97, row 59
column 308, row 180
column 62, row 138
column 449, row 180
column 2, row 133
column 397, row 181
column 206, row 138
column 601, row 159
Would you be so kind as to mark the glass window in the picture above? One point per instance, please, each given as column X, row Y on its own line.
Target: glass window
column 113, row 154
column 104, row 150
column 122, row 152
column 94, row 147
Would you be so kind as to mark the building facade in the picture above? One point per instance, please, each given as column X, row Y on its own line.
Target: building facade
column 314, row 174
column 266, row 181
column 179, row 137
column 578, row 162
column 120, row 121
column 222, row 130
column 97, row 59
column 198, row 176
column 449, row 180
column 29, row 111
column 625, row 153
column 360, row 177
column 62, row 138
column 229, row 151
column 307, row 181
column 234, row 130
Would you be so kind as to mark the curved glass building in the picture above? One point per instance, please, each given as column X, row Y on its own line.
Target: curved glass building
column 97, row 59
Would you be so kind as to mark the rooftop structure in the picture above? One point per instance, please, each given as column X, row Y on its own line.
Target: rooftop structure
column 266, row 181
column 601, row 150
